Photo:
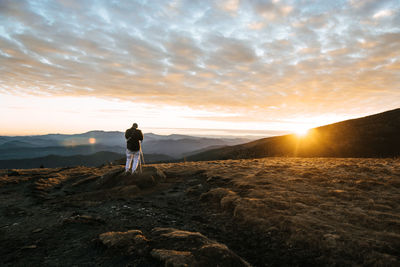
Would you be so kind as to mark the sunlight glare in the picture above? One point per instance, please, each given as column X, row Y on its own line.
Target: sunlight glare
column 301, row 131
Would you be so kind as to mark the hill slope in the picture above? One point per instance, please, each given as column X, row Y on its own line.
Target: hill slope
column 372, row 136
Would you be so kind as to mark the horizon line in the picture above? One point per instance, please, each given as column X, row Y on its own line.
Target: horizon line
column 195, row 132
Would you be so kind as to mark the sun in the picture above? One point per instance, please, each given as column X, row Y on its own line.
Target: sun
column 301, row 131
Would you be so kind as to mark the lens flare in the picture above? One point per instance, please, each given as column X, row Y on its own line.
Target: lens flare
column 301, row 131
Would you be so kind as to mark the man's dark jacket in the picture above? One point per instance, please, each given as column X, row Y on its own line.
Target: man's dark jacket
column 133, row 136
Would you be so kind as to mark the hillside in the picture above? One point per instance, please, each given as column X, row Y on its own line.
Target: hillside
column 371, row 136
column 258, row 212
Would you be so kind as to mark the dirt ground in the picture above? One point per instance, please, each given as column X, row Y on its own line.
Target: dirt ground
column 270, row 212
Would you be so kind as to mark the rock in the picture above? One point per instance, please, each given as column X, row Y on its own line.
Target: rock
column 111, row 179
column 173, row 258
column 143, row 180
column 179, row 240
column 149, row 177
column 132, row 241
column 175, row 247
column 158, row 175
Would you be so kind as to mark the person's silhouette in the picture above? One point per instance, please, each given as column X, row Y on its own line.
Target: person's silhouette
column 133, row 138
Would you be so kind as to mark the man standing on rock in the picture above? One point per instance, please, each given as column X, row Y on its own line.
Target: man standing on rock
column 133, row 138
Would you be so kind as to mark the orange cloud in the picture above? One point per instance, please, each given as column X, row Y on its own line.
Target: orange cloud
column 307, row 58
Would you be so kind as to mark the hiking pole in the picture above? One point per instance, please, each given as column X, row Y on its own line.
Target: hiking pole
column 140, row 165
column 141, row 157
column 141, row 153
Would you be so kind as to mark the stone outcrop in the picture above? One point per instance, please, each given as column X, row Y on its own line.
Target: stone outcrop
column 149, row 177
column 130, row 242
column 173, row 247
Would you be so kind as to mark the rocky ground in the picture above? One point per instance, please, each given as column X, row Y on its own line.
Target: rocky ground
column 60, row 217
column 266, row 212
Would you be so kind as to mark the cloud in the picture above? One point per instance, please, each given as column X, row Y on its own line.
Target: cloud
column 255, row 25
column 240, row 56
column 382, row 14
column 230, row 51
column 229, row 5
column 271, row 10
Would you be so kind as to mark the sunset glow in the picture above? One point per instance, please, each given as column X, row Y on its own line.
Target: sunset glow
column 195, row 67
column 301, row 132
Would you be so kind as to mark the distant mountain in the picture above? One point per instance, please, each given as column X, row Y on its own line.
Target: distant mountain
column 53, row 161
column 372, row 136
column 152, row 137
column 15, row 144
column 177, row 148
column 202, row 150
column 51, row 140
column 174, row 146
column 34, row 152
column 92, row 160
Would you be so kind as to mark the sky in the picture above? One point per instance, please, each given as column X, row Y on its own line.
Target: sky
column 198, row 67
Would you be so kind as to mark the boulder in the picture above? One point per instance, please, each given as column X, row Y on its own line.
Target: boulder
column 171, row 238
column 173, row 248
column 112, row 178
column 158, row 175
column 132, row 241
column 143, row 180
column 149, row 177
column 173, row 258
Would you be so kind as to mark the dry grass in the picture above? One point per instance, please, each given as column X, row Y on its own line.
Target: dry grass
column 347, row 209
column 334, row 211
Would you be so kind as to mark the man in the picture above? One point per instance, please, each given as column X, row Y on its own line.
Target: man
column 133, row 137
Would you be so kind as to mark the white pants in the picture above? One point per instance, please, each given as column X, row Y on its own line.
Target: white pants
column 132, row 156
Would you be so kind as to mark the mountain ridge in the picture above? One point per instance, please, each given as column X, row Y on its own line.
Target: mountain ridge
column 370, row 136
column 169, row 147
column 87, row 160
